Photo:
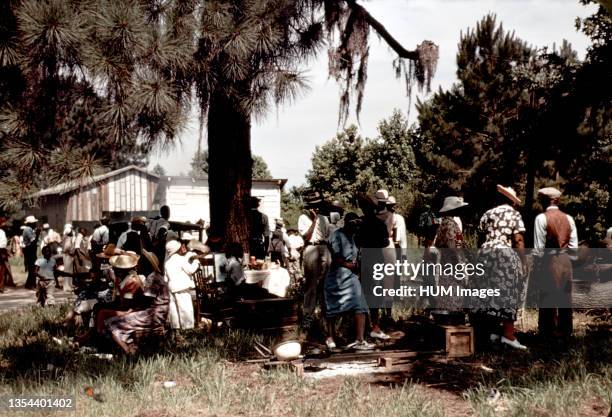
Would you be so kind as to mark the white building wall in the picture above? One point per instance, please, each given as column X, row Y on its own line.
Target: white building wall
column 270, row 195
column 190, row 203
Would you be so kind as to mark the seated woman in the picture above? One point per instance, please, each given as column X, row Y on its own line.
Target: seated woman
column 235, row 280
column 93, row 287
column 129, row 287
column 153, row 315
column 178, row 273
column 343, row 293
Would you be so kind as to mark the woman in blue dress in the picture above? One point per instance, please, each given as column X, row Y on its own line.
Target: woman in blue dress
column 343, row 292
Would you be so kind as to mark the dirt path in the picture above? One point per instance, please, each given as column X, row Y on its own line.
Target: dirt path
column 16, row 298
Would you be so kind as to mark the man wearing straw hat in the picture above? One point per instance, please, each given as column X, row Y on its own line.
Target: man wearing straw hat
column 30, row 247
column 555, row 235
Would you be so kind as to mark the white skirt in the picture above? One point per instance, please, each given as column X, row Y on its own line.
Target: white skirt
column 181, row 311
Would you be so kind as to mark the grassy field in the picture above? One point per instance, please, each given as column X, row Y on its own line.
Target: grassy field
column 212, row 382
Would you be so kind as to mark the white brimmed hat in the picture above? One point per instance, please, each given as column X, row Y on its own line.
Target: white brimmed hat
column 30, row 219
column 187, row 236
column 550, row 192
column 510, row 193
column 391, row 201
column 381, row 196
column 452, row 203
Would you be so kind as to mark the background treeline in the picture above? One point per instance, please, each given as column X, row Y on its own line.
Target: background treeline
column 518, row 115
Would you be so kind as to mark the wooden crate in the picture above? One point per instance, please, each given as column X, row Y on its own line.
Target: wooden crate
column 459, row 341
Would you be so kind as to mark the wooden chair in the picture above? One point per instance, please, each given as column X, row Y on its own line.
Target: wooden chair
column 210, row 299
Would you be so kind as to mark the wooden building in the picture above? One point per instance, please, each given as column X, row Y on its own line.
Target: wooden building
column 126, row 189
column 134, row 189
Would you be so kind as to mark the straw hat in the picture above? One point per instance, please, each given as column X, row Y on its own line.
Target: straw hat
column 187, row 236
column 172, row 247
column 152, row 258
column 381, row 196
column 391, row 201
column 550, row 192
column 510, row 193
column 138, row 220
column 109, row 251
column 127, row 260
column 30, row 219
column 196, row 245
column 452, row 203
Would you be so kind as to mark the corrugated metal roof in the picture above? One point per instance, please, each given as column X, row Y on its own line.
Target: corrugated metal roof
column 66, row 187
column 187, row 180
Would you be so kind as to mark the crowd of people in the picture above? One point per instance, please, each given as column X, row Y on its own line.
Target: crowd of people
column 143, row 282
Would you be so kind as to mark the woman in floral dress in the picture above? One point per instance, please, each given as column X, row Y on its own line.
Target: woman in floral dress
column 153, row 314
column 502, row 228
column 449, row 239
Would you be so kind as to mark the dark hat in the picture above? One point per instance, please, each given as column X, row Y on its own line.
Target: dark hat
column 312, row 198
column 351, row 218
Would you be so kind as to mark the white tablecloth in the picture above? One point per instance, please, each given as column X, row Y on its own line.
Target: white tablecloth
column 275, row 280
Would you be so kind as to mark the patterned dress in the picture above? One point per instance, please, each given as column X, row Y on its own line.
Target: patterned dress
column 449, row 239
column 503, row 265
column 151, row 318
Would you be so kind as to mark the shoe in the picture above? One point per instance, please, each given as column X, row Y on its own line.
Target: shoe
column 513, row 343
column 379, row 335
column 363, row 345
column 494, row 337
column 330, row 344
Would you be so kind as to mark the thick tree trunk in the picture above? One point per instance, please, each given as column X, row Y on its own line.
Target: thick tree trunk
column 529, row 215
column 229, row 169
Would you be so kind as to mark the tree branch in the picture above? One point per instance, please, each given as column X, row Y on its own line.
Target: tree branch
column 382, row 32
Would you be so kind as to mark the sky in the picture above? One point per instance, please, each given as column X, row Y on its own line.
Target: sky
column 287, row 137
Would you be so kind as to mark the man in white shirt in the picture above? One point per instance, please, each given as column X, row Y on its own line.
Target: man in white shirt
column 314, row 229
column 100, row 236
column 554, row 236
column 400, row 239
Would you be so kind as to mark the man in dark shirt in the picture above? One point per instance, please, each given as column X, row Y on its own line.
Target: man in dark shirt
column 260, row 231
column 373, row 236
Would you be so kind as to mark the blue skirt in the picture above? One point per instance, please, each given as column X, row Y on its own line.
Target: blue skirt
column 343, row 292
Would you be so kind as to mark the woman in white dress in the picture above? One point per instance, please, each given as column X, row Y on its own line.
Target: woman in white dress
column 68, row 252
column 178, row 272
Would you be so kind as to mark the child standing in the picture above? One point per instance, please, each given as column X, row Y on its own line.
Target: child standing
column 44, row 268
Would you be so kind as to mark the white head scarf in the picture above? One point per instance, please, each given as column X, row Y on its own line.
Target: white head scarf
column 67, row 229
column 172, row 247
